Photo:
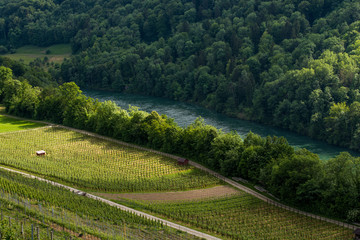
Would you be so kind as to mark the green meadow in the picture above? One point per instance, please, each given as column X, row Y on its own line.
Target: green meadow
column 55, row 53
column 8, row 124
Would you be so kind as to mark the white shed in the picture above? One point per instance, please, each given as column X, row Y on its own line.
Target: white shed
column 40, row 153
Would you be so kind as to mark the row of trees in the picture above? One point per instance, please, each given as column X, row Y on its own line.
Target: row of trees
column 298, row 177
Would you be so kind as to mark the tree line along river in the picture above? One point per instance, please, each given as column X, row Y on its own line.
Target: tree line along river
column 185, row 114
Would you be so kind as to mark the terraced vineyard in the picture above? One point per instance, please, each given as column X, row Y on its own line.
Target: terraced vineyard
column 91, row 163
column 30, row 201
column 244, row 217
column 103, row 166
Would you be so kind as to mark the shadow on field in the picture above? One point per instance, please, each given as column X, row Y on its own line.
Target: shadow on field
column 105, row 144
column 80, row 137
column 21, row 124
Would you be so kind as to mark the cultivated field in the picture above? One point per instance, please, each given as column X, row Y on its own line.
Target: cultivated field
column 32, row 202
column 56, row 53
column 123, row 173
column 243, row 217
column 213, row 192
column 92, row 163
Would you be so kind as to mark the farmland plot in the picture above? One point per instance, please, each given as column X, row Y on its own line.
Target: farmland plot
column 243, row 216
column 92, row 163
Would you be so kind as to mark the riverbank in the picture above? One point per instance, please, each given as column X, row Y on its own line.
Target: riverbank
column 185, row 114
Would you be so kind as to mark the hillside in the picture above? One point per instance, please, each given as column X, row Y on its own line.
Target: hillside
column 292, row 64
column 114, row 166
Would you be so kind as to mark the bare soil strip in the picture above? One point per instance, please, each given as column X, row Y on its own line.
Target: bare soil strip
column 214, row 192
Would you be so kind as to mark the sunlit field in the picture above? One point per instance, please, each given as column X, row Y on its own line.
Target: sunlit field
column 96, row 164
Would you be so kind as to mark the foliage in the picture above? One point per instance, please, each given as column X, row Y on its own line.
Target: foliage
column 284, row 63
column 32, row 74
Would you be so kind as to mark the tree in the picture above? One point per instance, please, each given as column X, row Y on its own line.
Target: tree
column 197, row 139
column 251, row 161
column 337, row 124
column 5, row 75
column 24, row 101
column 292, row 173
column 225, row 153
column 342, row 184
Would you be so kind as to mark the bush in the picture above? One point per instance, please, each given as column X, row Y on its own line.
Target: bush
column 3, row 49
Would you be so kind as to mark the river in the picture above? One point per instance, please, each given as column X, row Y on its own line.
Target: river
column 185, row 114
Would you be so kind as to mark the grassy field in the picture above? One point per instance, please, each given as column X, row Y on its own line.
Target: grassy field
column 243, row 217
column 91, row 163
column 11, row 124
column 30, row 53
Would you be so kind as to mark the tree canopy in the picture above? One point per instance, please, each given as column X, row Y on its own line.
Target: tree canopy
column 284, row 63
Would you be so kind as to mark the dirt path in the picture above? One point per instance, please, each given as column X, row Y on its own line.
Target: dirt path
column 122, row 207
column 214, row 192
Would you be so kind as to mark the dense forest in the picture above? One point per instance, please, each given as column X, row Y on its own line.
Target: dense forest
column 287, row 63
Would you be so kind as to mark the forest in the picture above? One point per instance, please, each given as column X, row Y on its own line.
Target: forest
column 287, row 63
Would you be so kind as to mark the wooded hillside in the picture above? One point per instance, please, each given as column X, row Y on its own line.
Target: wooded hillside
column 288, row 63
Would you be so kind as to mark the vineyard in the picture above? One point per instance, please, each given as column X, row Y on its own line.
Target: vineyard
column 104, row 166
column 244, row 217
column 99, row 165
column 15, row 224
column 27, row 204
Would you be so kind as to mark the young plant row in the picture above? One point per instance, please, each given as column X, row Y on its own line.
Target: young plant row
column 96, row 164
column 49, row 203
column 244, row 217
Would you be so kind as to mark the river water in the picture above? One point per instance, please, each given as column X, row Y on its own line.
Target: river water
column 185, row 114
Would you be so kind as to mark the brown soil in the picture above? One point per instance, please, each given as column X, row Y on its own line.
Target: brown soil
column 218, row 191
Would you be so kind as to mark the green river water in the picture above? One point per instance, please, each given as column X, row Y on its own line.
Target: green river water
column 184, row 114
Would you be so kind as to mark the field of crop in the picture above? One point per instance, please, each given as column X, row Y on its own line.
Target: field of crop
column 56, row 53
column 14, row 224
column 11, row 124
column 34, row 202
column 244, row 217
column 95, row 164
column 103, row 166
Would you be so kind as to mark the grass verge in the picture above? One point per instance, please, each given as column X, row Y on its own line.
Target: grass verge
column 8, row 124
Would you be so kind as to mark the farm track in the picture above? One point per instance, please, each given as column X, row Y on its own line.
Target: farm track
column 177, row 226
column 122, row 207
